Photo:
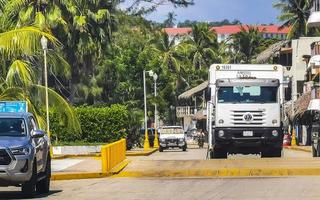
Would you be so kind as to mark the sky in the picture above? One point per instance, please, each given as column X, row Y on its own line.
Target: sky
column 247, row 11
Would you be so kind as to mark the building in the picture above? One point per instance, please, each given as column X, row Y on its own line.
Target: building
column 314, row 18
column 224, row 32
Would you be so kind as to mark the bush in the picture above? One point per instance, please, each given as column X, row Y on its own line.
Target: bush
column 98, row 125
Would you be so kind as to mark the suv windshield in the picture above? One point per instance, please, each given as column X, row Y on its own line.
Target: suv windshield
column 171, row 131
column 12, row 127
column 247, row 94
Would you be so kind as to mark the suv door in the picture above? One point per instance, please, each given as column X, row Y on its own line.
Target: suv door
column 39, row 144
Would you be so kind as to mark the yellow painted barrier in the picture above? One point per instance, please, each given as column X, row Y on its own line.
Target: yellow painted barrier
column 112, row 155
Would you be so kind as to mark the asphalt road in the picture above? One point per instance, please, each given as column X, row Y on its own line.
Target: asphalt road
column 188, row 189
column 184, row 188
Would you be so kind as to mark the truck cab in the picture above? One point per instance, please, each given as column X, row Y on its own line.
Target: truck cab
column 245, row 110
column 24, row 153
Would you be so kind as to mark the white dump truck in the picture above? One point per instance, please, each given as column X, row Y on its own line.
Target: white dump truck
column 245, row 110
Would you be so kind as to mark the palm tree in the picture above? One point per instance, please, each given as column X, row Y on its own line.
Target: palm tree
column 17, row 81
column 202, row 46
column 294, row 14
column 244, row 45
column 171, row 19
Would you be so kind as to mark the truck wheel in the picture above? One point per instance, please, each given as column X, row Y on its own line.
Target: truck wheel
column 218, row 154
column 271, row 153
column 160, row 149
column 29, row 188
column 43, row 186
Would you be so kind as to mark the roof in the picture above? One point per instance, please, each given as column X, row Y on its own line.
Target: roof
column 178, row 31
column 189, row 93
column 271, row 51
column 299, row 106
column 230, row 29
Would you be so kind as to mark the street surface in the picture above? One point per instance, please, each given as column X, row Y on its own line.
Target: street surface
column 284, row 188
column 186, row 188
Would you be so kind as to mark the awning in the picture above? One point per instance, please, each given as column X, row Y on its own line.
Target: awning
column 189, row 93
column 271, row 52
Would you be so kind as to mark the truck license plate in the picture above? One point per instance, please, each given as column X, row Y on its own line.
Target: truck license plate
column 247, row 133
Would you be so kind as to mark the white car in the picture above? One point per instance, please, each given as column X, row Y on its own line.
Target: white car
column 172, row 137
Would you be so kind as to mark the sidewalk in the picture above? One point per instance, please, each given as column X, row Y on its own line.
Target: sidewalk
column 222, row 168
column 76, row 165
column 300, row 148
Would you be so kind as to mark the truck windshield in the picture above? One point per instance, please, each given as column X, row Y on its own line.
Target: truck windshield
column 247, row 94
column 171, row 131
column 14, row 127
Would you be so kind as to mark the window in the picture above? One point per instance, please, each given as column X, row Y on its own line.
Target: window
column 32, row 124
column 247, row 94
column 12, row 127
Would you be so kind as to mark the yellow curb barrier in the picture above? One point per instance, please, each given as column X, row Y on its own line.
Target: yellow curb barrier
column 141, row 153
column 120, row 167
column 72, row 176
column 297, row 148
column 223, row 173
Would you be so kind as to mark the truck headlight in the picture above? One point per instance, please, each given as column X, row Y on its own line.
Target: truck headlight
column 221, row 121
column 20, row 151
column 181, row 140
column 275, row 133
column 221, row 133
column 274, row 121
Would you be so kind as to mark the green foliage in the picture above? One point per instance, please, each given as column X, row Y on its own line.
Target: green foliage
column 98, row 125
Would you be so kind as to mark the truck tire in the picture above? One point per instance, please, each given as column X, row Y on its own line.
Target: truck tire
column 160, row 149
column 218, row 154
column 43, row 186
column 272, row 153
column 29, row 188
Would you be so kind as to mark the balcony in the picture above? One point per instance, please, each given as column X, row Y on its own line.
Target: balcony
column 190, row 111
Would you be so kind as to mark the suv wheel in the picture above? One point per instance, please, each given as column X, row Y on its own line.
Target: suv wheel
column 29, row 188
column 184, row 148
column 160, row 149
column 43, row 186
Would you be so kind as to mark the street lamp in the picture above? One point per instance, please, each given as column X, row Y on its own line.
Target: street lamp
column 44, row 44
column 156, row 141
column 146, row 145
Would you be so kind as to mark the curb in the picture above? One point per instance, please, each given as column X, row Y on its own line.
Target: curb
column 297, row 148
column 88, row 175
column 57, row 157
column 72, row 176
column 223, row 173
column 141, row 153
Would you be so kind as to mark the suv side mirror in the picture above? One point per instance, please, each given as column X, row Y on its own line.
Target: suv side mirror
column 37, row 134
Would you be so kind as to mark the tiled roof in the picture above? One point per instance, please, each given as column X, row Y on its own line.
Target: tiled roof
column 229, row 29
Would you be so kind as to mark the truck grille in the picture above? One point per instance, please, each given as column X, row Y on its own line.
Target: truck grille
column 4, row 157
column 248, row 117
column 171, row 141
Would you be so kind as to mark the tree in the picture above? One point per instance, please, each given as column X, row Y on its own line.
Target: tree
column 202, row 46
column 170, row 21
column 244, row 45
column 294, row 14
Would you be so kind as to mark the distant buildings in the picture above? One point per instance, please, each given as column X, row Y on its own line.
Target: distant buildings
column 224, row 32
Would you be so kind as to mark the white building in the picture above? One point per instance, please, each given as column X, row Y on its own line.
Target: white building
column 314, row 19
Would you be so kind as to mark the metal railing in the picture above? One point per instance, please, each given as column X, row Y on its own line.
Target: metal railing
column 112, row 155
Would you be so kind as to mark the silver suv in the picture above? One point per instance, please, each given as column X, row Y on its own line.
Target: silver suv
column 24, row 154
